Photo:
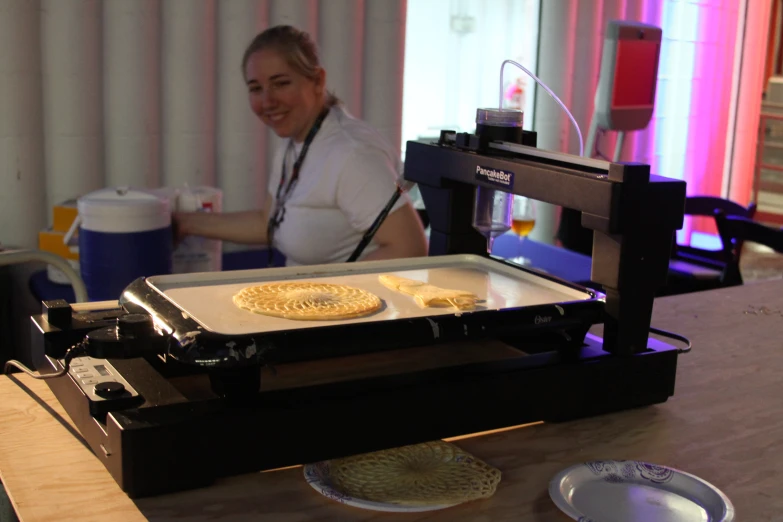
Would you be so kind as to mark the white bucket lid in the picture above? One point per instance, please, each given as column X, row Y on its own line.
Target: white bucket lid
column 123, row 209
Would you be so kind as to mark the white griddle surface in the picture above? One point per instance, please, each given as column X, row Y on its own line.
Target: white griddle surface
column 207, row 297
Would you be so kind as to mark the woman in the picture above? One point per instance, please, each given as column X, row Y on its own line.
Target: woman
column 332, row 176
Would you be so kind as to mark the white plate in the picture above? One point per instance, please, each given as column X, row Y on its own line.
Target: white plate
column 317, row 475
column 630, row 491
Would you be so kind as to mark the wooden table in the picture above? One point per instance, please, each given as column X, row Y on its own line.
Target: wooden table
column 724, row 424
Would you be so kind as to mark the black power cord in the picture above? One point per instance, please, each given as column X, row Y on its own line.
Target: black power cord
column 74, row 351
column 676, row 337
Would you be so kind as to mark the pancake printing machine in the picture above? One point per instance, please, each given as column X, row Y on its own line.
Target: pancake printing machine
column 182, row 387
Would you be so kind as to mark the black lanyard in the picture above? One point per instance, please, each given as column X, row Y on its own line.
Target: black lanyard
column 281, row 197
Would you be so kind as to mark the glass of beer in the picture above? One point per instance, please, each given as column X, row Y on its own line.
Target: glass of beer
column 523, row 220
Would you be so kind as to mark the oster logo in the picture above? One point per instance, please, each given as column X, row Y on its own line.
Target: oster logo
column 499, row 178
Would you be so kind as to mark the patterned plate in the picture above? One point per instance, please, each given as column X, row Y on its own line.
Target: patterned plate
column 628, row 491
column 317, row 475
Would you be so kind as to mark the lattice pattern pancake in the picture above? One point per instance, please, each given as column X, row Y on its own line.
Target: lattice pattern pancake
column 307, row 301
column 432, row 473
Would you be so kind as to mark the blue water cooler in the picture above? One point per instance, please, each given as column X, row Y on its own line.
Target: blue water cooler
column 124, row 234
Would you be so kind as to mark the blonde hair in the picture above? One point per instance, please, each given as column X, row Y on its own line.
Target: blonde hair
column 296, row 47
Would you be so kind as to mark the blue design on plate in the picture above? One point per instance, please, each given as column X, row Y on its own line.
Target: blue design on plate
column 335, row 495
column 629, row 470
column 620, row 471
column 317, row 474
column 600, row 467
column 653, row 473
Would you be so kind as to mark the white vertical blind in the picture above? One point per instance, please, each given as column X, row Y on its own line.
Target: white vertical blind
column 131, row 79
column 241, row 138
column 384, row 32
column 749, row 93
column 72, row 98
column 148, row 93
column 342, row 25
column 299, row 13
column 22, row 202
column 188, row 54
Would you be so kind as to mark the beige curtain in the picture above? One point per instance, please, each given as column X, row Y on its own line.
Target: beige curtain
column 149, row 93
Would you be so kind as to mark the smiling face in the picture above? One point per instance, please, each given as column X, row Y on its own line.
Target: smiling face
column 285, row 100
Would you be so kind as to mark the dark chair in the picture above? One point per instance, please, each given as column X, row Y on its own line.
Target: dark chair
column 707, row 206
column 735, row 230
column 693, row 269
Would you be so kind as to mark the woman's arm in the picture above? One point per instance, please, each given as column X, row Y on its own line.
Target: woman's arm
column 400, row 235
column 247, row 227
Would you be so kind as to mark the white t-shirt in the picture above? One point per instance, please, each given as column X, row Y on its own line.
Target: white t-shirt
column 346, row 179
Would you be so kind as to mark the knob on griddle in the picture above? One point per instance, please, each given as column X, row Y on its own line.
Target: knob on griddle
column 109, row 389
column 133, row 336
column 135, row 326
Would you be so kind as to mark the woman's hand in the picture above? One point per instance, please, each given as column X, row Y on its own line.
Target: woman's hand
column 179, row 227
column 247, row 227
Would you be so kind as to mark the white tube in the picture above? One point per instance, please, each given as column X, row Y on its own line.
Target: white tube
column 734, row 117
column 22, row 200
column 556, row 51
column 188, row 101
column 131, row 82
column 12, row 257
column 241, row 138
column 618, row 146
column 591, row 135
column 587, row 64
column 549, row 91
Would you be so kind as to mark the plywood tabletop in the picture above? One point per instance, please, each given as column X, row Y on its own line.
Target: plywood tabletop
column 724, row 424
column 47, row 469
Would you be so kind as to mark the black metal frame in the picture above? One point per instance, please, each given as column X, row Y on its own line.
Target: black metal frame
column 634, row 216
column 172, row 443
column 175, row 441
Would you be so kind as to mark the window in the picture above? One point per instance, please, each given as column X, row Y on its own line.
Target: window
column 453, row 53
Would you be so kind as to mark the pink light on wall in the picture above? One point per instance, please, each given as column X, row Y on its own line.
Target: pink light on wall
column 710, row 102
column 695, row 97
column 751, row 86
column 691, row 133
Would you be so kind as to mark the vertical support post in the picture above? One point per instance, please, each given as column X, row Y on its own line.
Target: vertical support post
column 632, row 264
